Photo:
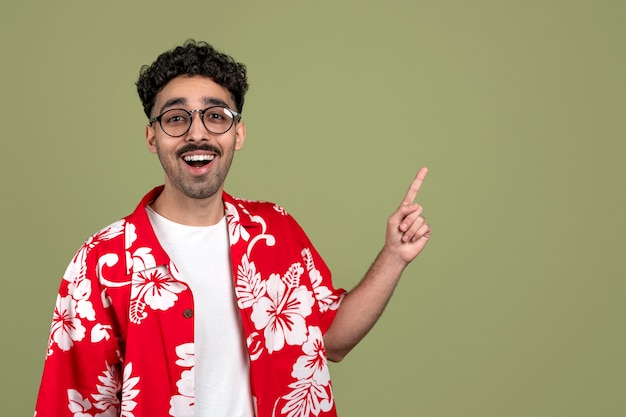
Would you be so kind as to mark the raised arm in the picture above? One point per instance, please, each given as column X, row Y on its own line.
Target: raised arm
column 407, row 234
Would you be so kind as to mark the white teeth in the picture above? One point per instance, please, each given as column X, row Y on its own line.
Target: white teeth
column 194, row 158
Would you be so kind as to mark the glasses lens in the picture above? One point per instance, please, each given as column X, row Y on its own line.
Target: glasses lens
column 175, row 122
column 218, row 119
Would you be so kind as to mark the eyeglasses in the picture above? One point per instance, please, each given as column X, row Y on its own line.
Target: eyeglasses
column 177, row 122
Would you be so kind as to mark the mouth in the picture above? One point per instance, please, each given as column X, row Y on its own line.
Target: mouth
column 198, row 161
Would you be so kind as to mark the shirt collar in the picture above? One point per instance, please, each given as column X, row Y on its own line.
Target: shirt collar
column 146, row 237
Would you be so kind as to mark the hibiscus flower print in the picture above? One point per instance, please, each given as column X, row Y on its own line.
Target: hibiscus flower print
column 282, row 311
column 155, row 288
column 313, row 364
column 66, row 327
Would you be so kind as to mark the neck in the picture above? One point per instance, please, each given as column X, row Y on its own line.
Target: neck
column 181, row 209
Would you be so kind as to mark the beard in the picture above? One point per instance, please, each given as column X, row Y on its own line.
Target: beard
column 197, row 187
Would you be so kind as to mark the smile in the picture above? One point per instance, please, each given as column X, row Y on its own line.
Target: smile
column 198, row 160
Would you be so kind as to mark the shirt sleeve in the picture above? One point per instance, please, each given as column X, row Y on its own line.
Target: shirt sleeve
column 327, row 296
column 81, row 374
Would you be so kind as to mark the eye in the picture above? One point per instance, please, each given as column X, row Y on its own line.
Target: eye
column 174, row 117
column 215, row 115
column 218, row 116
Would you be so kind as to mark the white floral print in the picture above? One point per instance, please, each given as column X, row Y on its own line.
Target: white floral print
column 306, row 399
column 313, row 364
column 311, row 392
column 324, row 296
column 155, row 288
column 283, row 311
column 250, row 286
column 80, row 290
column 181, row 405
column 235, row 230
column 107, row 392
column 76, row 268
column 129, row 392
column 106, row 402
column 66, row 327
column 77, row 404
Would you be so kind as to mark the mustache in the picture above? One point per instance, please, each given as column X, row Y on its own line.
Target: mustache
column 190, row 147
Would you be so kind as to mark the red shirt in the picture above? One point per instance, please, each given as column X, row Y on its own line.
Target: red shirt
column 121, row 340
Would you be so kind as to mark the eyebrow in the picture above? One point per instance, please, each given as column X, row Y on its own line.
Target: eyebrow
column 215, row 102
column 181, row 101
column 176, row 101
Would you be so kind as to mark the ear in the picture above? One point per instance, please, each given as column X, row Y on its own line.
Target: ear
column 151, row 138
column 240, row 135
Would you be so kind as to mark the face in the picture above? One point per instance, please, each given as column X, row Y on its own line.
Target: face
column 195, row 164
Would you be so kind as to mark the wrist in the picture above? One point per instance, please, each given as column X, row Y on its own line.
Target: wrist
column 390, row 258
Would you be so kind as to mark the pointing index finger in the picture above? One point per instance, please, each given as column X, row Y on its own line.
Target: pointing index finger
column 415, row 186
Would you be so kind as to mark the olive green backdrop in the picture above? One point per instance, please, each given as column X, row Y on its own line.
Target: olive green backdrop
column 517, row 306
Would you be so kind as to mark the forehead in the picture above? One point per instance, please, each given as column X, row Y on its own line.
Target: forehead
column 192, row 91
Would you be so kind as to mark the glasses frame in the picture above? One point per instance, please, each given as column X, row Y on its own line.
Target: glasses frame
column 236, row 117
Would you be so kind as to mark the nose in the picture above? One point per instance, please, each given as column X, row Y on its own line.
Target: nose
column 197, row 131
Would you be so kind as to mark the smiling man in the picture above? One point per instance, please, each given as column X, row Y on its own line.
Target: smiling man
column 199, row 303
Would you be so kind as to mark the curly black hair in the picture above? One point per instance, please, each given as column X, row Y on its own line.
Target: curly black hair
column 192, row 58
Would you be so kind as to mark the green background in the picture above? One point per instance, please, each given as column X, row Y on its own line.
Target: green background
column 517, row 306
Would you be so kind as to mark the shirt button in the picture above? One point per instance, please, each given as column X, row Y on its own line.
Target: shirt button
column 188, row 313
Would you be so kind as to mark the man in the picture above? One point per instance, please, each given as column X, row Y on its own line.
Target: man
column 199, row 303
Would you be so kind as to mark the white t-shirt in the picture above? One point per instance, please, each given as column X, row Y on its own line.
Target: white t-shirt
column 202, row 256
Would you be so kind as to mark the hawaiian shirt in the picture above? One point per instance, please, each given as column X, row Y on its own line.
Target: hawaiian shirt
column 122, row 336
